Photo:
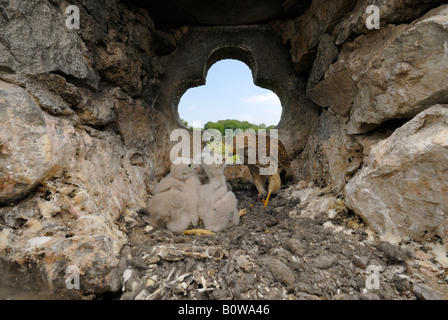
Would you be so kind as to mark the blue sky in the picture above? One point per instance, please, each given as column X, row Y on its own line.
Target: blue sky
column 230, row 93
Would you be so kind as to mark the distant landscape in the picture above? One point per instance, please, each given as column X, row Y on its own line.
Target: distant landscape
column 232, row 124
column 221, row 126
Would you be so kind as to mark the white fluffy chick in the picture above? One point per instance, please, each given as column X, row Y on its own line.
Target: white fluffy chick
column 217, row 205
column 175, row 200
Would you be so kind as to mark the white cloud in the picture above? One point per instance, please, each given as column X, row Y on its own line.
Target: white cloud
column 246, row 117
column 268, row 99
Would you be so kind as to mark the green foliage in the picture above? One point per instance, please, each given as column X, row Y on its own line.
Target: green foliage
column 222, row 125
column 185, row 123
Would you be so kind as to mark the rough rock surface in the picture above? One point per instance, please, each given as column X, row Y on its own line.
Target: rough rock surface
column 330, row 156
column 31, row 147
column 68, row 172
column 391, row 12
column 401, row 191
column 397, row 79
column 71, row 218
column 306, row 31
column 306, row 245
column 28, row 31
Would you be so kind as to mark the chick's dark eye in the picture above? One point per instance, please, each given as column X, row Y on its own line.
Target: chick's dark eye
column 189, row 166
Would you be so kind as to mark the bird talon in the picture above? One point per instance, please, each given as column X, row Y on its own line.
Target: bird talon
column 198, row 232
column 242, row 212
column 266, row 201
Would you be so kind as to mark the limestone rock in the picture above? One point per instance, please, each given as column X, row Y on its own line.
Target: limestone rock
column 280, row 271
column 120, row 40
column 137, row 123
column 424, row 292
column 401, row 191
column 36, row 44
column 344, row 153
column 31, row 144
column 324, row 261
column 391, row 12
column 140, row 27
column 305, row 32
column 7, row 61
column 397, row 79
column 63, row 184
column 409, row 79
column 97, row 18
column 331, row 155
column 327, row 53
column 53, row 93
column 85, row 123
column 72, row 218
column 59, row 86
column 311, row 164
column 98, row 109
column 117, row 65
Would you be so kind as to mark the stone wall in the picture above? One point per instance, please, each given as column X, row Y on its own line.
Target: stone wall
column 261, row 49
column 77, row 140
column 370, row 83
column 85, row 118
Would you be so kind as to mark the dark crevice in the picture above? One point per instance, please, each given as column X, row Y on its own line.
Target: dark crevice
column 21, row 197
column 3, row 14
column 82, row 83
column 6, row 69
column 429, row 7
column 386, row 128
column 90, row 14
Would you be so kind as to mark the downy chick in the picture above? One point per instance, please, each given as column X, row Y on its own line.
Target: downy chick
column 175, row 201
column 217, row 205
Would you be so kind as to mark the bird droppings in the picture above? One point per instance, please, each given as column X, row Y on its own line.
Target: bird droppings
column 303, row 256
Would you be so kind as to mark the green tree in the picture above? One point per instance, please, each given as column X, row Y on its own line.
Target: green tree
column 233, row 124
column 185, row 123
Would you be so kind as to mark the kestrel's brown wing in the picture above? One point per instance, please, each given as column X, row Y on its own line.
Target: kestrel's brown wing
column 283, row 157
column 254, row 169
column 245, row 145
column 274, row 150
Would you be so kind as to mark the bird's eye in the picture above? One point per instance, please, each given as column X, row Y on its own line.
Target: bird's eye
column 189, row 166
